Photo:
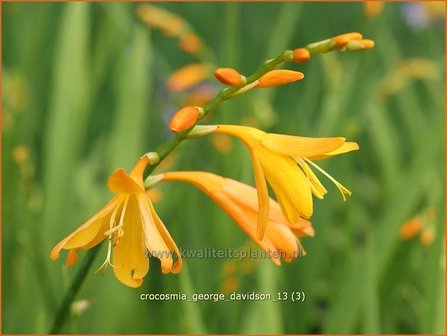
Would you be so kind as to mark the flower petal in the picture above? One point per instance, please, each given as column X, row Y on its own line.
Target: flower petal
column 177, row 267
column 121, row 182
column 300, row 146
column 72, row 258
column 345, row 148
column 284, row 241
column 87, row 232
column 129, row 255
column 153, row 239
column 246, row 220
column 263, row 195
column 289, row 183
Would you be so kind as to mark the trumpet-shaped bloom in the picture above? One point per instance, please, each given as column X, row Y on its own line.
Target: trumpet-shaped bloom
column 285, row 162
column 132, row 228
column 240, row 202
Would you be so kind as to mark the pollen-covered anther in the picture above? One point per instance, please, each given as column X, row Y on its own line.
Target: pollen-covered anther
column 230, row 76
column 343, row 39
column 301, row 55
column 279, row 77
column 184, row 119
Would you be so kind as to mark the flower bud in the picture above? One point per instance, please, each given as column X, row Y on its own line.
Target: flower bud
column 301, row 55
column 279, row 77
column 229, row 76
column 184, row 118
column 356, row 45
column 343, row 39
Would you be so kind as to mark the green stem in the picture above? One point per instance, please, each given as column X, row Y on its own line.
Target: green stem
column 223, row 95
column 70, row 295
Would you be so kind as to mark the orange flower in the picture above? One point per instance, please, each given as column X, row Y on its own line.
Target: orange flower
column 132, row 228
column 240, row 202
column 229, row 76
column 279, row 77
column 188, row 76
column 185, row 118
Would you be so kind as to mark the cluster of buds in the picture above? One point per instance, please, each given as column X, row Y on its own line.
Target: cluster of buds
column 343, row 42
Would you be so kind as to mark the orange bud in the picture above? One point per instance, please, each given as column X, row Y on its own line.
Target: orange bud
column 411, row 228
column 72, row 257
column 229, row 76
column 355, row 45
column 301, row 55
column 188, row 76
column 190, row 43
column 367, row 44
column 279, row 77
column 184, row 118
column 343, row 39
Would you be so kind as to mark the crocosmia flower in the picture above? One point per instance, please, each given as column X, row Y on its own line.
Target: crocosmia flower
column 285, row 161
column 132, row 229
column 240, row 202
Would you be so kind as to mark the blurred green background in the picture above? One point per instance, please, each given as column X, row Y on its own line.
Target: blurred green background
column 84, row 91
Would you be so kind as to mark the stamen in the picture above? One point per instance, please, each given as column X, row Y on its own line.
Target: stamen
column 114, row 228
column 111, row 231
column 301, row 251
column 343, row 190
column 317, row 187
column 121, row 224
column 106, row 262
column 112, row 220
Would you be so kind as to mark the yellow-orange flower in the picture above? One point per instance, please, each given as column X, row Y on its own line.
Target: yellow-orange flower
column 240, row 202
column 132, row 228
column 275, row 158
